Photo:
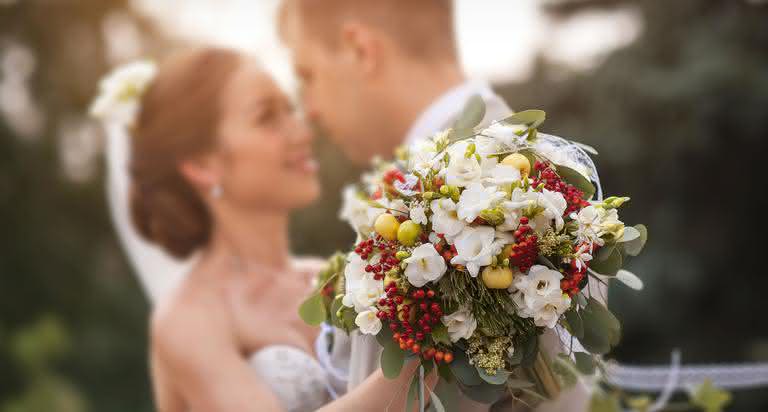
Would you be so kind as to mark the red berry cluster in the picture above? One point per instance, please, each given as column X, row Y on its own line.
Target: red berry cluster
column 573, row 196
column 387, row 259
column 525, row 250
column 410, row 322
column 573, row 277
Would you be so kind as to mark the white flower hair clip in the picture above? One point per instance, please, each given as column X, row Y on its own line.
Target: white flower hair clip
column 120, row 92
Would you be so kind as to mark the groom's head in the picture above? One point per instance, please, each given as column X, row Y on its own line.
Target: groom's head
column 368, row 67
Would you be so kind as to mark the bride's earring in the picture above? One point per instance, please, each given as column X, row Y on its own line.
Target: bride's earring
column 216, row 191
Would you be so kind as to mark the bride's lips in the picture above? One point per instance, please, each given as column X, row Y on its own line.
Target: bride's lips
column 301, row 161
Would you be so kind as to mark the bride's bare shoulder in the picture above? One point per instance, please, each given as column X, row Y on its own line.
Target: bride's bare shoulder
column 186, row 315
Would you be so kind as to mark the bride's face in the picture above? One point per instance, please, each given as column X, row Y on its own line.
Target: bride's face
column 264, row 156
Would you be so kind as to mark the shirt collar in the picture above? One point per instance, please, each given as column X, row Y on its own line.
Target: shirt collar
column 444, row 109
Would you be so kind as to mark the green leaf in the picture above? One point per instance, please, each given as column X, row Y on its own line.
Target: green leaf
column 607, row 265
column 392, row 359
column 484, row 392
column 630, row 279
column 630, row 234
column 530, row 118
column 445, row 372
column 601, row 329
column 575, row 324
column 709, row 397
column 585, row 363
column 603, row 402
column 635, row 246
column 440, row 335
column 463, row 371
column 472, row 113
column 576, row 179
column 499, row 378
column 530, row 351
column 312, row 311
column 384, row 337
column 337, row 305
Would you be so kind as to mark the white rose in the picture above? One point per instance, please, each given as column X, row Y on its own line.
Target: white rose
column 424, row 265
column 460, row 324
column 419, row 215
column 368, row 322
column 475, row 248
column 462, row 170
column 445, row 220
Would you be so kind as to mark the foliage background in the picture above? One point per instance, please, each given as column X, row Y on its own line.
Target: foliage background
column 680, row 117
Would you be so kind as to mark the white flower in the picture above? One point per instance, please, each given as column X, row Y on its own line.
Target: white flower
column 513, row 207
column 460, row 324
column 445, row 220
column 362, row 290
column 419, row 215
column 554, row 205
column 121, row 91
column 368, row 322
column 475, row 248
column 462, row 170
column 507, row 134
column 424, row 265
column 503, row 175
column 595, row 222
column 476, row 198
column 408, row 187
column 538, row 296
column 485, row 147
column 423, row 157
column 357, row 212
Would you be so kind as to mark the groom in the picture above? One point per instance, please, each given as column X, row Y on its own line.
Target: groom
column 376, row 74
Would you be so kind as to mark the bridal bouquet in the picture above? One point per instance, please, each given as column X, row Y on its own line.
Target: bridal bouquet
column 471, row 245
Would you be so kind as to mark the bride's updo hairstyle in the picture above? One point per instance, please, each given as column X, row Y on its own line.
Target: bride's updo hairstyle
column 178, row 119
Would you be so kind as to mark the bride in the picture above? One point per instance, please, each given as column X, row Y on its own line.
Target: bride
column 219, row 160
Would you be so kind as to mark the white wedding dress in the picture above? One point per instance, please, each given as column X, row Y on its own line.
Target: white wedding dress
column 294, row 376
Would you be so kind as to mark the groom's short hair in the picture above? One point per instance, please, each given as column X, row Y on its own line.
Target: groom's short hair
column 420, row 28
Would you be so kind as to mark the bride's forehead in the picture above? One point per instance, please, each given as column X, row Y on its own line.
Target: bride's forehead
column 251, row 80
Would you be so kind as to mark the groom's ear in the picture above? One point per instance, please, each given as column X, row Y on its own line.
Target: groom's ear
column 363, row 45
column 201, row 172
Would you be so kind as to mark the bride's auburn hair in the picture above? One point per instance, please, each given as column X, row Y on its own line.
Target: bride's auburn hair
column 179, row 119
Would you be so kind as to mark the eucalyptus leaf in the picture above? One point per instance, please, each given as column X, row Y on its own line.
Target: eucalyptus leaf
column 530, row 118
column 463, row 371
column 312, row 310
column 635, row 246
column 576, row 179
column 472, row 113
column 585, row 363
column 484, row 392
column 498, row 379
column 392, row 359
column 575, row 324
column 630, row 234
column 530, row 351
column 610, row 265
column 630, row 279
column 445, row 372
column 601, row 329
